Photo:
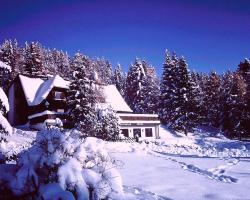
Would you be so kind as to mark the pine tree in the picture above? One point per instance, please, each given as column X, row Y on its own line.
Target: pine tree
column 179, row 98
column 12, row 55
column 108, row 73
column 225, row 101
column 49, row 62
column 149, row 93
column 104, row 71
column 198, row 96
column 34, row 60
column 63, row 64
column 119, row 80
column 81, row 98
column 244, row 70
column 7, row 52
column 5, row 74
column 235, row 119
column 184, row 114
column 134, row 82
column 188, row 97
column 212, row 90
column 168, row 89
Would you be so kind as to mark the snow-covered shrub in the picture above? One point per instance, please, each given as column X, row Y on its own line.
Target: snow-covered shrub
column 4, row 103
column 58, row 166
column 5, row 131
column 5, row 128
column 108, row 127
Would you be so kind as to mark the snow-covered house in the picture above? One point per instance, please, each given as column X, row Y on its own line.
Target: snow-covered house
column 143, row 125
column 37, row 100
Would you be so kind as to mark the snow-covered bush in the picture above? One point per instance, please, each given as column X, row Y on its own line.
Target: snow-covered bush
column 5, row 131
column 4, row 104
column 58, row 166
column 5, row 128
column 108, row 127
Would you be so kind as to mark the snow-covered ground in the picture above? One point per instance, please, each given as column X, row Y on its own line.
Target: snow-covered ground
column 163, row 177
column 202, row 165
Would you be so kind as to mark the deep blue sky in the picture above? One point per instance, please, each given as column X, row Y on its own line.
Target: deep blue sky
column 211, row 34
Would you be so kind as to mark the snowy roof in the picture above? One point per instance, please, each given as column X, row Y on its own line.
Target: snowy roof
column 3, row 65
column 36, row 89
column 114, row 99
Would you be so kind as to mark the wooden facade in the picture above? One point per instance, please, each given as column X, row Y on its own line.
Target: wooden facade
column 18, row 104
column 23, row 113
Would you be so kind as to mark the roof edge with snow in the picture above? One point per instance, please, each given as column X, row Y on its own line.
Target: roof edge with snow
column 37, row 89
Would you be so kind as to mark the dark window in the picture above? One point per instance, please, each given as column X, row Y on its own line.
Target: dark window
column 125, row 132
column 148, row 132
column 137, row 131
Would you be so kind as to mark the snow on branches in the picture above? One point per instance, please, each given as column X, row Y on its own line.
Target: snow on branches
column 59, row 166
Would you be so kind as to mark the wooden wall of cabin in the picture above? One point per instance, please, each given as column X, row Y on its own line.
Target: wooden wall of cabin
column 50, row 103
column 20, row 105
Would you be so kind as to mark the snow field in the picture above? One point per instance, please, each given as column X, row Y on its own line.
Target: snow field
column 199, row 165
column 179, row 166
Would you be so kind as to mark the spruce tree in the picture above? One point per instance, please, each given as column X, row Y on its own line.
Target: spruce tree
column 225, row 102
column 50, row 61
column 104, row 71
column 212, row 90
column 149, row 93
column 178, row 95
column 168, row 89
column 244, row 70
column 81, row 98
column 235, row 118
column 34, row 60
column 134, row 82
column 63, row 64
column 5, row 74
column 119, row 79
column 188, row 98
column 198, row 96
column 12, row 55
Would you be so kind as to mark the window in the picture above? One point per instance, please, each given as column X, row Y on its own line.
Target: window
column 137, row 131
column 148, row 132
column 60, row 110
column 125, row 132
column 58, row 95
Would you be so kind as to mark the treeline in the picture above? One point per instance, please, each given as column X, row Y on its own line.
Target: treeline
column 183, row 99
column 190, row 99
